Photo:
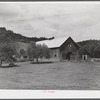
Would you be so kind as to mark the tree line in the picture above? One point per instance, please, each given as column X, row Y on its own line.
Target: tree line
column 8, row 52
column 90, row 48
column 36, row 51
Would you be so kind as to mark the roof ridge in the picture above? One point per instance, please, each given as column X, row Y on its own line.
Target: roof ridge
column 57, row 42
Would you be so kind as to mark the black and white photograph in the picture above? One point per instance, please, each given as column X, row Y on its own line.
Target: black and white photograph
column 50, row 46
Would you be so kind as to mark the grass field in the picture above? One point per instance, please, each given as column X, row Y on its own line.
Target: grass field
column 56, row 76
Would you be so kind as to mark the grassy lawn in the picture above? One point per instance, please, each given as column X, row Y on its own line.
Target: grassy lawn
column 58, row 76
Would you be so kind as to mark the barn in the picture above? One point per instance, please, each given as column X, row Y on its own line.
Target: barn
column 61, row 48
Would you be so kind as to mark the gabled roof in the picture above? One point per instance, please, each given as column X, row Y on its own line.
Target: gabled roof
column 54, row 43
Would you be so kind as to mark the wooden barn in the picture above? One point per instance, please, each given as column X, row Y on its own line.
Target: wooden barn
column 61, row 48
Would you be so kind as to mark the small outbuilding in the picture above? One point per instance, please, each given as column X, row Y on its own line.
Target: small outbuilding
column 61, row 48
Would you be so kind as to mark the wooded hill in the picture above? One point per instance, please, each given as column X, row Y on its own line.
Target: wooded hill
column 10, row 36
column 90, row 48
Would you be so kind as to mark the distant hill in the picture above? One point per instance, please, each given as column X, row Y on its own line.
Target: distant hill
column 88, row 42
column 21, row 45
column 90, row 48
column 10, row 36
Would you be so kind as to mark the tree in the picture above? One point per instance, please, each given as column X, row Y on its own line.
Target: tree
column 22, row 52
column 91, row 48
column 97, row 51
column 38, row 51
column 7, row 52
column 46, row 51
column 31, row 51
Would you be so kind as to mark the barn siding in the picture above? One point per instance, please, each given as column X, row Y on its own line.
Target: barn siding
column 72, row 49
column 55, row 54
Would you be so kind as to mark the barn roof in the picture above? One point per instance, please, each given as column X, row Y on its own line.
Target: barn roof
column 54, row 43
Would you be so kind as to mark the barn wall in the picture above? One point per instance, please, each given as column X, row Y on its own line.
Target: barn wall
column 70, row 48
column 55, row 54
column 67, row 42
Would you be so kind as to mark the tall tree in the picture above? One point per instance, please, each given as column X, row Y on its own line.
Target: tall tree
column 38, row 51
column 31, row 51
column 7, row 52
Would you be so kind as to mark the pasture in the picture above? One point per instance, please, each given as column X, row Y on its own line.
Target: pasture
column 52, row 76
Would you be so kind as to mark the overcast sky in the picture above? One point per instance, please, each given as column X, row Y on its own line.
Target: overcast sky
column 80, row 20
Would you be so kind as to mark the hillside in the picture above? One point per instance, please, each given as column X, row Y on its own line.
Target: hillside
column 88, row 42
column 10, row 36
column 21, row 45
column 90, row 48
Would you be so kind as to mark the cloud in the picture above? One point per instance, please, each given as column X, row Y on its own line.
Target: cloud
column 78, row 20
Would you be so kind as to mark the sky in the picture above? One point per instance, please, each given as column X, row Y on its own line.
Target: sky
column 80, row 20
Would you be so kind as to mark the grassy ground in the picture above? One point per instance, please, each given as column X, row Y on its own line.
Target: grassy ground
column 58, row 76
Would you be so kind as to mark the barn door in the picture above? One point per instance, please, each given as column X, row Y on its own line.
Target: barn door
column 68, row 55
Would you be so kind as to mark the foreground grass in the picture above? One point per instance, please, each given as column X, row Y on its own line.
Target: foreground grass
column 58, row 76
